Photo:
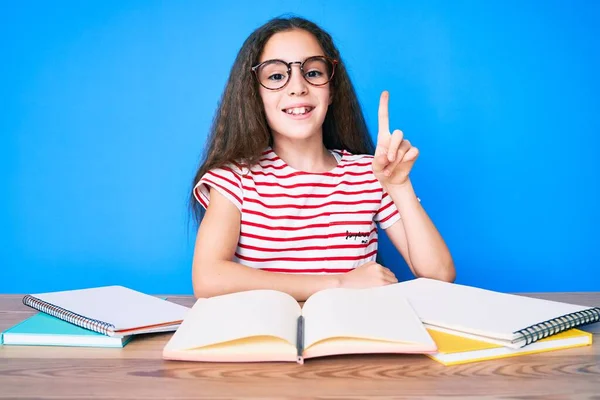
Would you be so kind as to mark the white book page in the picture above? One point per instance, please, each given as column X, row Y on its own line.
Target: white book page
column 477, row 311
column 238, row 315
column 117, row 305
column 362, row 313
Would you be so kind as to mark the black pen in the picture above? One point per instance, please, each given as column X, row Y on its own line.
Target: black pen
column 300, row 340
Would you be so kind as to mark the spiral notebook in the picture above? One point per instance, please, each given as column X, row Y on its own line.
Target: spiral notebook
column 506, row 319
column 111, row 310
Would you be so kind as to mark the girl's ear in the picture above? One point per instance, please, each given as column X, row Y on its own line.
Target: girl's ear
column 330, row 97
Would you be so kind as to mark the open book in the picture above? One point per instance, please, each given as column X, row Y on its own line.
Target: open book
column 500, row 318
column 267, row 325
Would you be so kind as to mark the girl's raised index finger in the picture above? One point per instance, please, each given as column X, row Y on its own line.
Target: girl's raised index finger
column 384, row 121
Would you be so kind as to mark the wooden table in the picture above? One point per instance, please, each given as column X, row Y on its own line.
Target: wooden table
column 138, row 372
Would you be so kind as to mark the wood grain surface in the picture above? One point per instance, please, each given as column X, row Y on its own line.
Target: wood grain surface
column 138, row 372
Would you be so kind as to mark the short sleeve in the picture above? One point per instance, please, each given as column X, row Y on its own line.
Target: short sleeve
column 227, row 180
column 387, row 214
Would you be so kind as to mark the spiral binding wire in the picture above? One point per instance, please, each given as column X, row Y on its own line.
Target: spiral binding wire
column 544, row 329
column 76, row 319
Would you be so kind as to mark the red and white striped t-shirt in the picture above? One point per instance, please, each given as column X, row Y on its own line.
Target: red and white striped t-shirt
column 294, row 221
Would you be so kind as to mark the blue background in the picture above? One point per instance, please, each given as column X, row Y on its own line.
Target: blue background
column 105, row 107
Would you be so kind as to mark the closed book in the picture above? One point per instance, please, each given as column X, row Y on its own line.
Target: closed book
column 45, row 330
column 455, row 350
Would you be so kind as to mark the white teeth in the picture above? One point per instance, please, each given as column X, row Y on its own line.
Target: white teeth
column 298, row 110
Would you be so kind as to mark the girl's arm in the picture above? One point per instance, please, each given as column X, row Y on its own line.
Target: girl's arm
column 414, row 235
column 417, row 239
column 213, row 272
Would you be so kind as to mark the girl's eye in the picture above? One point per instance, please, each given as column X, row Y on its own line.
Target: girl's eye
column 313, row 74
column 276, row 77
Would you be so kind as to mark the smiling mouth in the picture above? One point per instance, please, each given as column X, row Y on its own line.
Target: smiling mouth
column 298, row 110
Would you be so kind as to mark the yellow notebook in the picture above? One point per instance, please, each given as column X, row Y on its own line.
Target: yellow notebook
column 454, row 350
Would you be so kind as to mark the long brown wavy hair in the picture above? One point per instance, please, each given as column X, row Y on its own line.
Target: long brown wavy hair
column 240, row 132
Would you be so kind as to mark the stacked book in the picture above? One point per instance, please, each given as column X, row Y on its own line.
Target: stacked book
column 108, row 316
column 448, row 322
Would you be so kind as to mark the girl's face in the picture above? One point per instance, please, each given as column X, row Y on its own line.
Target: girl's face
column 297, row 110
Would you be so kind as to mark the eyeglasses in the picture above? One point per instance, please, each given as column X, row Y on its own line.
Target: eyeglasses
column 275, row 74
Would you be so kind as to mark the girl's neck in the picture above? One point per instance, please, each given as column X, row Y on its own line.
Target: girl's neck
column 307, row 156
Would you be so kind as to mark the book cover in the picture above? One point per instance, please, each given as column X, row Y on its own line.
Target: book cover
column 455, row 349
column 45, row 330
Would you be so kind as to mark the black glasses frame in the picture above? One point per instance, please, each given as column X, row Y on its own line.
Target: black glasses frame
column 289, row 70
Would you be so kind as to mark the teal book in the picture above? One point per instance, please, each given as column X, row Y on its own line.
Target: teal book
column 45, row 330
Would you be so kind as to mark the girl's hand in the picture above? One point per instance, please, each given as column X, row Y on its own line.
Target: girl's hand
column 368, row 275
column 394, row 155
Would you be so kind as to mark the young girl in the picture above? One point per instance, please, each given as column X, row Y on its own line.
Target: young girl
column 289, row 193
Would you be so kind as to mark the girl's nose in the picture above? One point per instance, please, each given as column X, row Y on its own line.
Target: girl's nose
column 297, row 85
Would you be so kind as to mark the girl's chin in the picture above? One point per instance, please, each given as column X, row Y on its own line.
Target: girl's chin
column 295, row 133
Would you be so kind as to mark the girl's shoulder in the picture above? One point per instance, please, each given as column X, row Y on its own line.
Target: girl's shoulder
column 230, row 168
